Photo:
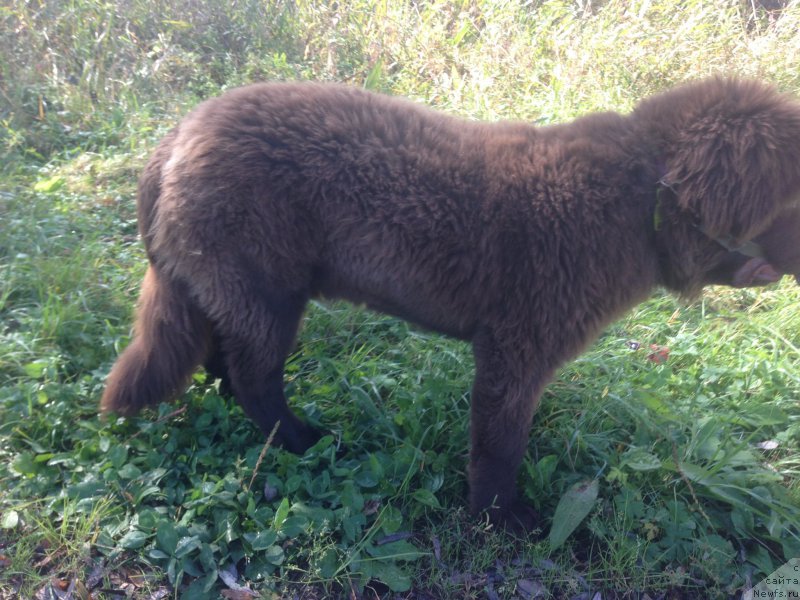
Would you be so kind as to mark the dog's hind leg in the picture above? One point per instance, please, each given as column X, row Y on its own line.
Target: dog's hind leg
column 215, row 367
column 256, row 333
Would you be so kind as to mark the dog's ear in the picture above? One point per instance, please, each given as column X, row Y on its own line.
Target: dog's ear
column 733, row 157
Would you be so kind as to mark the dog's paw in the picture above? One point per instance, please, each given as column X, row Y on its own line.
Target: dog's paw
column 519, row 518
column 304, row 441
column 299, row 439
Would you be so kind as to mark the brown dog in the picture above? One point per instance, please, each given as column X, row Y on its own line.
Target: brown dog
column 526, row 241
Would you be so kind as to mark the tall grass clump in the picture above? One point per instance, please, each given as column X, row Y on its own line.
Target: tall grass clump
column 679, row 429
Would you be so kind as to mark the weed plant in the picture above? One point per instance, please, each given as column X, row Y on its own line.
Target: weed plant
column 694, row 460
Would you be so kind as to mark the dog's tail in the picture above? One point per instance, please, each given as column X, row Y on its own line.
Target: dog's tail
column 171, row 338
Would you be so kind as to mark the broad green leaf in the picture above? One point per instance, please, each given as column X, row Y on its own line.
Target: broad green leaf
column 50, row 185
column 365, row 479
column 293, row 526
column 640, row 459
column 392, row 575
column 427, row 498
column 391, row 519
column 328, row 564
column 130, row 471
column 791, row 546
column 274, row 555
column 200, row 588
column 173, row 573
column 264, row 540
column 36, row 369
column 707, row 439
column 207, row 559
column 759, row 415
column 544, row 469
column 167, row 537
column 696, row 473
column 149, row 519
column 118, row 455
column 186, row 545
column 281, row 513
column 573, row 507
column 352, row 525
column 25, row 464
column 227, row 527
column 742, row 521
column 133, row 539
column 399, row 550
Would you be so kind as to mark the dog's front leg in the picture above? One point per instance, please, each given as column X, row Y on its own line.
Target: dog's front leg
column 504, row 397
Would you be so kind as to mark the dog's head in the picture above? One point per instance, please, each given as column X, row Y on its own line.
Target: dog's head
column 728, row 156
column 771, row 255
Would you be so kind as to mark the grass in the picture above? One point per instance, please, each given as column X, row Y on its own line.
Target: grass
column 696, row 458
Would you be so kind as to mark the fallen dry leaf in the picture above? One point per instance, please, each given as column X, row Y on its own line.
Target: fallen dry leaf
column 659, row 354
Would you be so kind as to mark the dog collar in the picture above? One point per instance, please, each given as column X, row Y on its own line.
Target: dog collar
column 749, row 248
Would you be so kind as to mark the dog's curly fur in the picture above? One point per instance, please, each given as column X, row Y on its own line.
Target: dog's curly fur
column 525, row 241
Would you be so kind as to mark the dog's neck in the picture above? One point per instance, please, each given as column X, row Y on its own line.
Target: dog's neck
column 747, row 248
